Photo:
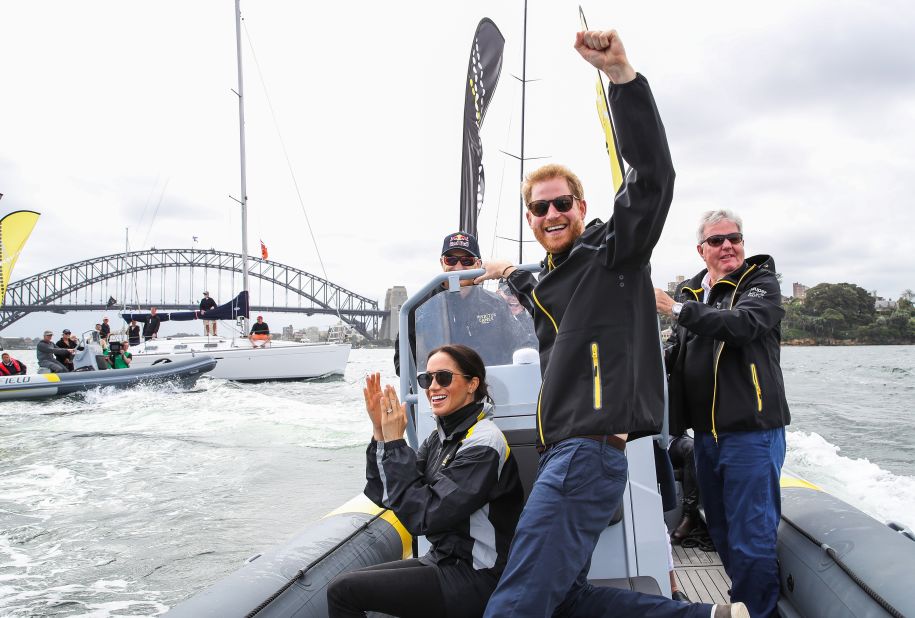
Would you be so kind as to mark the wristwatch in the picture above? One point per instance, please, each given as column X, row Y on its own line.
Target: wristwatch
column 676, row 309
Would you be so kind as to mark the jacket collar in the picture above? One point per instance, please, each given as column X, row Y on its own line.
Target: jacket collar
column 553, row 260
column 762, row 262
column 459, row 421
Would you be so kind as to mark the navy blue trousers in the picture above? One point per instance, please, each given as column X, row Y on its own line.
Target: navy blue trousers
column 579, row 486
column 739, row 483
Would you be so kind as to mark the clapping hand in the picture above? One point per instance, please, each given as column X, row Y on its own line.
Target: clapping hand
column 394, row 418
column 373, row 403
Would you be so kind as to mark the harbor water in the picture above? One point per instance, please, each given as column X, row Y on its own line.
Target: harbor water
column 122, row 503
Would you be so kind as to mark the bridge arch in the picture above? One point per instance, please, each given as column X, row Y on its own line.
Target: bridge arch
column 40, row 291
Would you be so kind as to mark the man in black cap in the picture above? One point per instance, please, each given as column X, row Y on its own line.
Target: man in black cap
column 207, row 304
column 472, row 316
column 69, row 342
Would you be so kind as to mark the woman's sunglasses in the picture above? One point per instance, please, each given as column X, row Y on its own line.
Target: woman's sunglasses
column 716, row 240
column 465, row 260
column 563, row 203
column 442, row 376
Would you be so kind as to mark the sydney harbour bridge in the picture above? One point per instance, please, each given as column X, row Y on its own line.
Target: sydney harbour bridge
column 173, row 279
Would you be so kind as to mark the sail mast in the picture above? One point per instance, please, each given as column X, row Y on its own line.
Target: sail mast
column 241, row 137
column 521, row 217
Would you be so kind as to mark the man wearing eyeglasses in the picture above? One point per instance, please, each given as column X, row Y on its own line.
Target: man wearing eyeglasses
column 600, row 360
column 472, row 316
column 726, row 383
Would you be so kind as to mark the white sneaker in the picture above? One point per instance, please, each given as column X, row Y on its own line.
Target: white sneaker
column 734, row 610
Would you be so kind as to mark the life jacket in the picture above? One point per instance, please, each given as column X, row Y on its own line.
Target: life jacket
column 4, row 370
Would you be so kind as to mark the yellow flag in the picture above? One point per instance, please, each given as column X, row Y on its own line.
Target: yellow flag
column 14, row 231
column 603, row 112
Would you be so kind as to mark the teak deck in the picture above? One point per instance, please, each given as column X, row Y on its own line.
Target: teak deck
column 701, row 575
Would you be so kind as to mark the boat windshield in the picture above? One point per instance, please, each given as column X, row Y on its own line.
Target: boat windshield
column 494, row 324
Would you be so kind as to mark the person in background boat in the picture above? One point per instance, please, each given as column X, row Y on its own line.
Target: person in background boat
column 260, row 332
column 475, row 317
column 98, row 332
column 151, row 328
column 523, row 323
column 70, row 342
column 207, row 304
column 726, row 383
column 595, row 319
column 461, row 490
column 133, row 333
column 9, row 366
column 121, row 359
column 681, row 455
column 106, row 329
column 45, row 352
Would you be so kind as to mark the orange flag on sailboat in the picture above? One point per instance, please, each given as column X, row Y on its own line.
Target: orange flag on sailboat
column 263, row 250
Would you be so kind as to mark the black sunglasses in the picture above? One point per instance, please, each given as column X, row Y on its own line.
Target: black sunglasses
column 442, row 376
column 465, row 260
column 563, row 203
column 716, row 240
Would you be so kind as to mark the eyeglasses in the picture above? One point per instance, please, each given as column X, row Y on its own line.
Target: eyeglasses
column 563, row 203
column 716, row 240
column 442, row 376
column 465, row 260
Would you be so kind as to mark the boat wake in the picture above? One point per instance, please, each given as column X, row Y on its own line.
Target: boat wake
column 882, row 494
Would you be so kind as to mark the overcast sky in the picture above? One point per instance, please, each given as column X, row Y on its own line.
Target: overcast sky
column 114, row 115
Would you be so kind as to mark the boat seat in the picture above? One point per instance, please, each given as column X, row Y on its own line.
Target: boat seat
column 642, row 583
column 523, row 444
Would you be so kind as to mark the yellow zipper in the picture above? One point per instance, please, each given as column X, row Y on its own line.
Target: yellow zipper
column 756, row 384
column 595, row 366
column 539, row 424
column 540, row 394
column 715, row 392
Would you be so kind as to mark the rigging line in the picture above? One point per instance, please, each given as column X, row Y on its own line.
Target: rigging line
column 295, row 182
column 495, row 230
column 155, row 212
column 149, row 198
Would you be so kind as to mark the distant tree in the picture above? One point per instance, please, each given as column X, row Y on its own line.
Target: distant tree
column 908, row 295
column 853, row 303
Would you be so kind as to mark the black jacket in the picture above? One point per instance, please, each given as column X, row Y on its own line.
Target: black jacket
column 461, row 490
column 593, row 306
column 207, row 303
column 725, row 372
column 151, row 327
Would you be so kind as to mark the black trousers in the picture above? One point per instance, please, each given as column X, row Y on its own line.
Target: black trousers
column 405, row 588
column 681, row 455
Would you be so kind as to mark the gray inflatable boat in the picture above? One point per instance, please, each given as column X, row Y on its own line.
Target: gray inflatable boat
column 92, row 372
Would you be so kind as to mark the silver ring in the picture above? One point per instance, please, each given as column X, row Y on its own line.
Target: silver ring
column 390, row 410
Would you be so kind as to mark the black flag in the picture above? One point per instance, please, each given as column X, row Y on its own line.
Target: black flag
column 482, row 76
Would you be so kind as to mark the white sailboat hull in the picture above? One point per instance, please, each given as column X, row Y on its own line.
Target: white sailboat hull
column 239, row 360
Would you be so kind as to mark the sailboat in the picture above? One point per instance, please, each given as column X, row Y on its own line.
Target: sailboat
column 240, row 358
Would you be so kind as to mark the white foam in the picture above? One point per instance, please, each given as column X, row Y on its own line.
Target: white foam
column 863, row 484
